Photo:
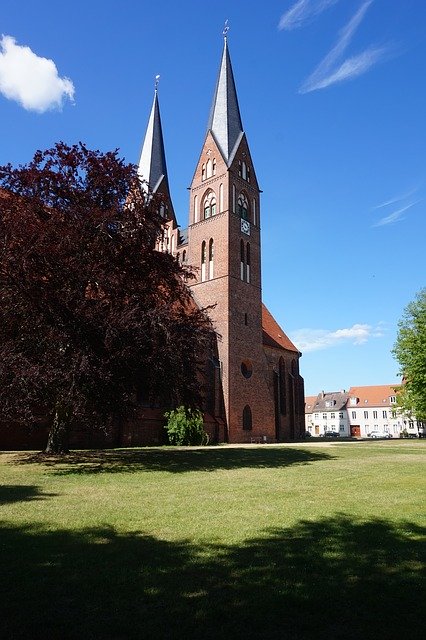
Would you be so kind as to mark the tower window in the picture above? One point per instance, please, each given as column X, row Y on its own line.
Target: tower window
column 203, row 172
column 214, row 166
column 209, row 205
column 243, row 207
column 203, row 261
column 209, row 168
column 247, row 369
column 211, row 257
column 247, row 418
column 242, row 260
column 248, row 263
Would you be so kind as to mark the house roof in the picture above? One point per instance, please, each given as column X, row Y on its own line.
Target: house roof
column 225, row 119
column 273, row 335
column 330, row 401
column 373, row 396
column 309, row 403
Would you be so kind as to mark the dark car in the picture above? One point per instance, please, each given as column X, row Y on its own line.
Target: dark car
column 331, row 434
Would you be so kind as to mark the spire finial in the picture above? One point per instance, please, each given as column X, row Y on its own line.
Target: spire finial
column 225, row 29
column 157, row 80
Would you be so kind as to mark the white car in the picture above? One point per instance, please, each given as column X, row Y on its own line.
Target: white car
column 379, row 434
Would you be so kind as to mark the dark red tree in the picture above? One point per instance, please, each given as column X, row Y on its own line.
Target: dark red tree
column 90, row 313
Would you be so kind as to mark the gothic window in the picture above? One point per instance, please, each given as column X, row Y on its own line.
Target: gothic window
column 247, row 418
column 243, row 206
column 233, row 198
column 203, row 261
column 196, row 209
column 209, row 168
column 282, row 387
column 254, row 211
column 248, row 262
column 209, row 205
column 211, row 259
column 243, row 170
column 220, row 198
column 242, row 260
column 214, row 166
column 203, row 172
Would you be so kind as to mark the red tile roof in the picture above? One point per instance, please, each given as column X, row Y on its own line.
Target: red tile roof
column 273, row 335
column 373, row 396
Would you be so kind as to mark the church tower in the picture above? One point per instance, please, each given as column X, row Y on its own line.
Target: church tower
column 224, row 247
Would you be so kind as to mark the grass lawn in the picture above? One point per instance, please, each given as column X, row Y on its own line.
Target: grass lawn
column 316, row 540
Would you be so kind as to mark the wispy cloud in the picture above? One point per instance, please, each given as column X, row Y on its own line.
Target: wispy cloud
column 303, row 11
column 329, row 71
column 396, row 199
column 31, row 80
column 395, row 216
column 318, row 339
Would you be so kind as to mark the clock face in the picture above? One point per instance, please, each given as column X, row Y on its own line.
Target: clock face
column 245, row 226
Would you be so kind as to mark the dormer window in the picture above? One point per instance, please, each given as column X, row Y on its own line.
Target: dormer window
column 392, row 399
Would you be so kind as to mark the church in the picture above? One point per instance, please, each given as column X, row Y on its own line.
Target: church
column 257, row 392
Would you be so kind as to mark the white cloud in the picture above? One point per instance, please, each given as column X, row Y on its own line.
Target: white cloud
column 395, row 216
column 30, row 80
column 303, row 11
column 317, row 339
column 329, row 71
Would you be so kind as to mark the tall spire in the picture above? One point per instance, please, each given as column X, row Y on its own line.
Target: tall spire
column 152, row 163
column 225, row 119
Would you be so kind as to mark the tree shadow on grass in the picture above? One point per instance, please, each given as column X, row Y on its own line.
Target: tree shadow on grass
column 173, row 460
column 337, row 578
column 21, row 493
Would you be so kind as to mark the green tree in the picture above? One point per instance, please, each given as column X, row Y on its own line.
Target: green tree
column 185, row 427
column 410, row 351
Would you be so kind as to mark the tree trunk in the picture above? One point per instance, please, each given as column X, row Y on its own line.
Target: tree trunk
column 57, row 441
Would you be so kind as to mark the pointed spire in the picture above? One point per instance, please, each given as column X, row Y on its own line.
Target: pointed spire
column 225, row 119
column 152, row 163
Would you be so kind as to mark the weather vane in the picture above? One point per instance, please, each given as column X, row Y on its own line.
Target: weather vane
column 157, row 80
column 225, row 29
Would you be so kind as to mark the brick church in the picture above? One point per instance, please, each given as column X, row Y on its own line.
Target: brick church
column 258, row 391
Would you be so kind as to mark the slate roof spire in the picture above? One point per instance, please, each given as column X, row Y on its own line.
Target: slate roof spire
column 225, row 119
column 152, row 164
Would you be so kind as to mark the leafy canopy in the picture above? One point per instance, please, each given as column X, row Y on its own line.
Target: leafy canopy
column 410, row 351
column 90, row 313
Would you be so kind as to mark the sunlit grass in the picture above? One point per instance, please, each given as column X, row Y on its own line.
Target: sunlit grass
column 201, row 534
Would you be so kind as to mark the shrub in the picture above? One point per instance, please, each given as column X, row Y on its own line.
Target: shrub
column 185, row 427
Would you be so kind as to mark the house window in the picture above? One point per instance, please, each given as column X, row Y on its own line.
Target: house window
column 385, row 414
column 332, row 416
column 365, row 415
column 341, row 415
column 324, row 416
column 316, row 416
column 353, row 415
column 247, row 418
column 374, row 415
column 392, row 399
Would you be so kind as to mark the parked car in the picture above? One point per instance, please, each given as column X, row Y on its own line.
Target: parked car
column 379, row 434
column 308, row 434
column 330, row 434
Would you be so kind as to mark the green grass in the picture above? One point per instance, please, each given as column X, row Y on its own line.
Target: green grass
column 316, row 540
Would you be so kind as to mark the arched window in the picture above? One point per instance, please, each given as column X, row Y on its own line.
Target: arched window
column 242, row 260
column 243, row 206
column 233, row 198
column 209, row 205
column 243, row 170
column 203, row 261
column 211, row 258
column 282, row 387
column 254, row 211
column 248, row 262
column 247, row 418
column 220, row 198
column 203, row 172
column 214, row 166
column 195, row 208
column 209, row 168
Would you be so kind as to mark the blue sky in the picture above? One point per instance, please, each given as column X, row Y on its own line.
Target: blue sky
column 333, row 100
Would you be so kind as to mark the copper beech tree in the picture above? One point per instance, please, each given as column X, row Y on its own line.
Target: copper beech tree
column 90, row 313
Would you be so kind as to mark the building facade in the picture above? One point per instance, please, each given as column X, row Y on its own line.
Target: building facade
column 261, row 390
column 363, row 410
